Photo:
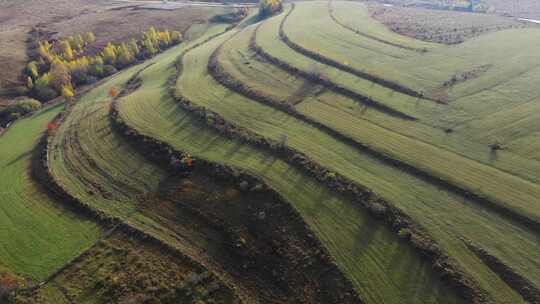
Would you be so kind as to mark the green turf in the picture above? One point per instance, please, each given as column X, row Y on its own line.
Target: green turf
column 505, row 84
column 394, row 185
column 38, row 235
column 505, row 189
column 97, row 165
column 433, row 119
column 425, row 72
column 369, row 254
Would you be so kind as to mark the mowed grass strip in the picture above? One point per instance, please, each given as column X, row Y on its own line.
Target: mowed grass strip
column 424, row 72
column 38, row 234
column 423, row 201
column 99, row 166
column 433, row 118
column 369, row 254
column 517, row 195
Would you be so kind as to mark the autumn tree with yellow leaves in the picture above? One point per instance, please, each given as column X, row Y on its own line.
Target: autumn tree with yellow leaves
column 269, row 7
column 64, row 64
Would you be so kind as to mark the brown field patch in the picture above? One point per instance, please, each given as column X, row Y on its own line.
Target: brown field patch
column 441, row 26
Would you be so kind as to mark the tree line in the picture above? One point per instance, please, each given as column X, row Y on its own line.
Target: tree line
column 64, row 64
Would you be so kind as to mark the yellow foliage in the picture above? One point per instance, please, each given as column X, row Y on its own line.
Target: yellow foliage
column 67, row 91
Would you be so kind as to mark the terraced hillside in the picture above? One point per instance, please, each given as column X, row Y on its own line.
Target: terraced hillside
column 311, row 157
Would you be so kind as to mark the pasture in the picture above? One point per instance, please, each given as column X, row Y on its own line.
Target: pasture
column 39, row 233
column 446, row 134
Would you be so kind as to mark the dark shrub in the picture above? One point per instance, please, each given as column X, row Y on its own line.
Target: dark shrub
column 108, row 70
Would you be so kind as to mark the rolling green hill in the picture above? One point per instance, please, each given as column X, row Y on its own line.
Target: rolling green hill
column 316, row 102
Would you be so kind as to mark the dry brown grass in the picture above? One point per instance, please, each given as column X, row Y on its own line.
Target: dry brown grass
column 518, row 8
column 449, row 27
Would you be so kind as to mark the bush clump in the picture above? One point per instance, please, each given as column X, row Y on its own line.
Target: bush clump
column 64, row 64
column 18, row 109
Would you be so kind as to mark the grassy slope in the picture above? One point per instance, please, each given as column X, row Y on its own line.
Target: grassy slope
column 517, row 194
column 357, row 16
column 38, row 235
column 267, row 38
column 99, row 166
column 434, row 118
column 392, row 184
column 371, row 256
column 422, row 71
column 503, row 87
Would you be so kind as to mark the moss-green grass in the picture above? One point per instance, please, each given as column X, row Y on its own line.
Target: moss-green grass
column 38, row 235
column 424, row 72
column 504, row 86
column 97, row 165
column 404, row 190
column 376, row 261
column 433, row 118
column 514, row 193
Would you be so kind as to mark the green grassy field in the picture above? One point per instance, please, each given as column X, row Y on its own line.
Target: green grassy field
column 424, row 72
column 449, row 141
column 512, row 192
column 38, row 234
column 382, row 179
column 99, row 166
column 363, row 248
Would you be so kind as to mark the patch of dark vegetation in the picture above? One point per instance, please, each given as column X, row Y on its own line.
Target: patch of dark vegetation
column 20, row 107
column 466, row 75
column 317, row 78
column 403, row 225
column 125, row 269
column 233, row 17
column 42, row 173
column 522, row 285
column 359, row 32
column 328, row 61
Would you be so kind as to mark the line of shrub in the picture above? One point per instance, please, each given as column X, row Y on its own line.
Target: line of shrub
column 331, row 13
column 227, row 80
column 379, row 208
column 163, row 153
column 522, row 285
column 42, row 173
column 323, row 59
column 320, row 79
column 65, row 64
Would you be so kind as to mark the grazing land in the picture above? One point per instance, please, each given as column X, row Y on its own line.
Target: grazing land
column 326, row 152
column 39, row 235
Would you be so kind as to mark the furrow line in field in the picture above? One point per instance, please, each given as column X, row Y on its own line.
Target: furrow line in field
column 520, row 284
